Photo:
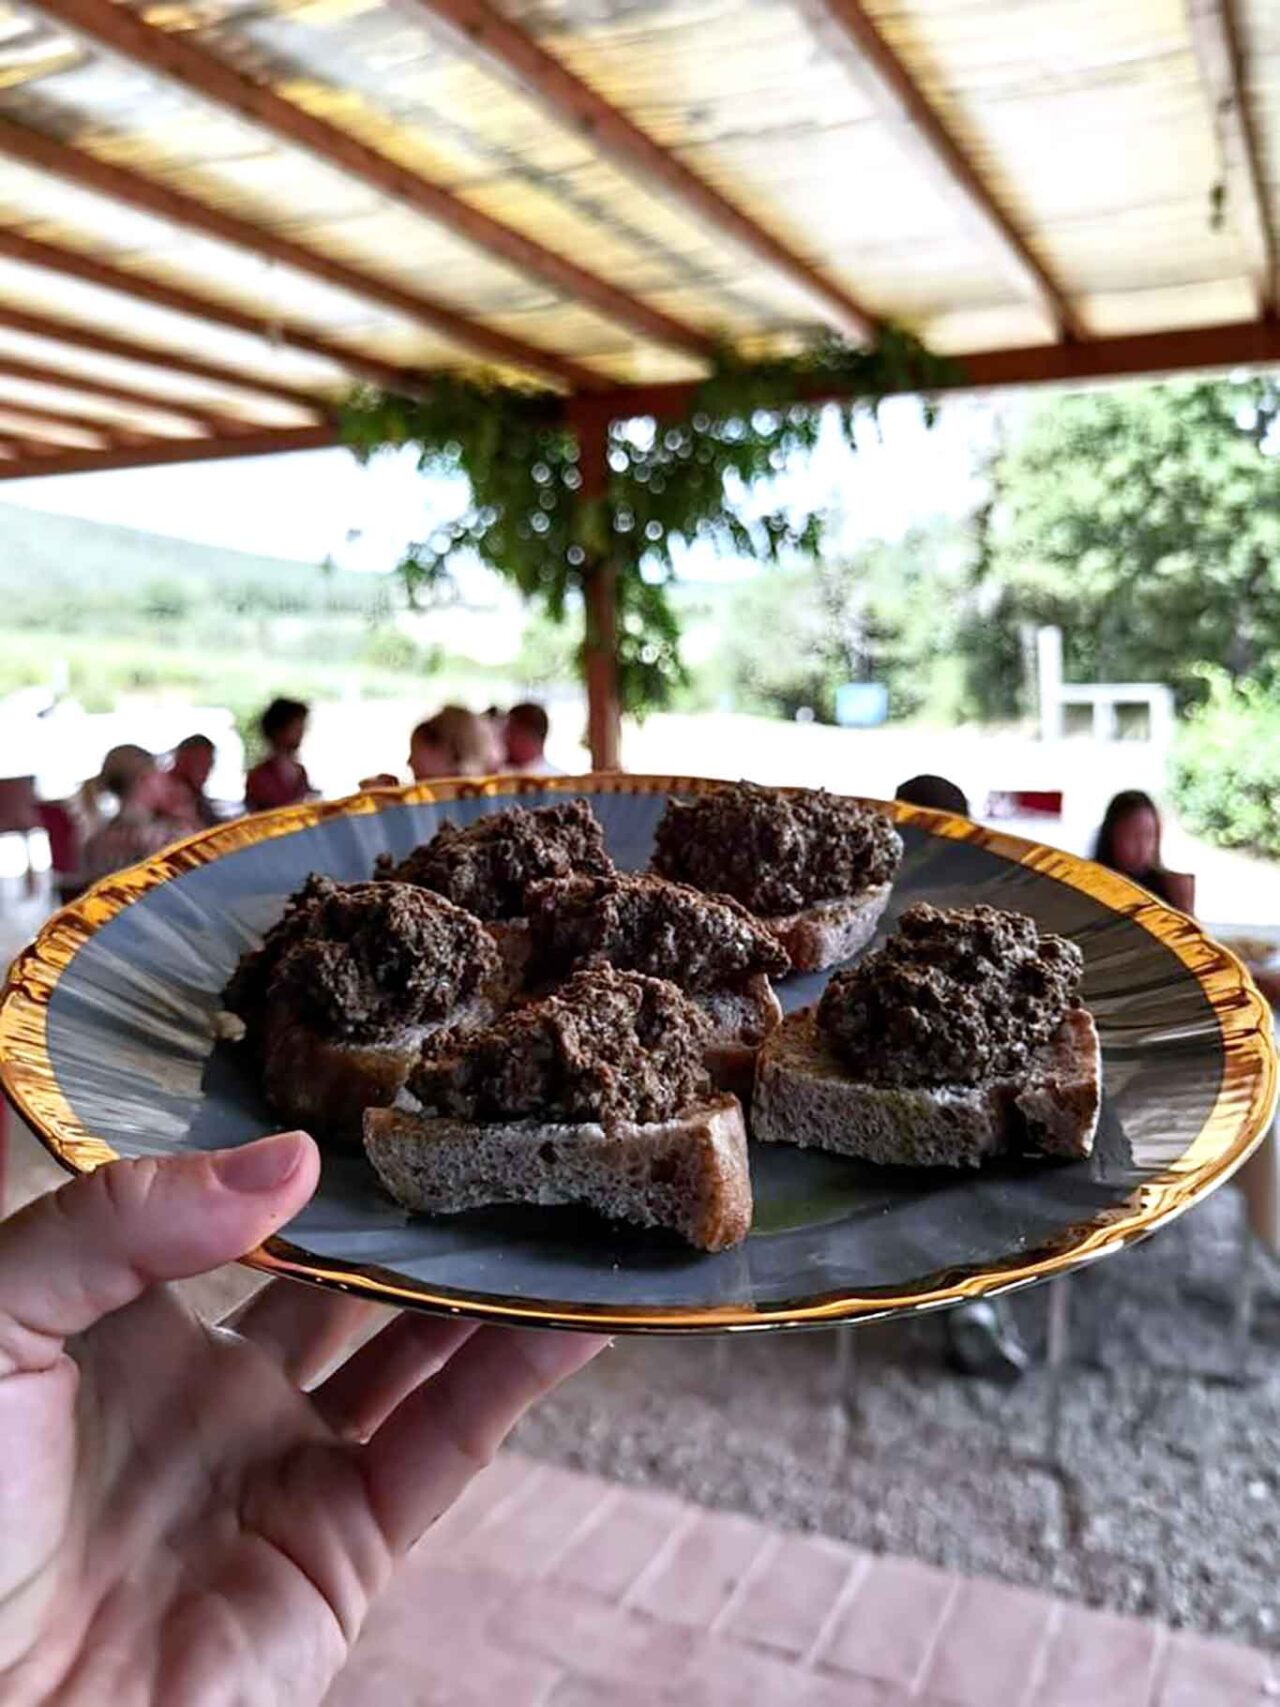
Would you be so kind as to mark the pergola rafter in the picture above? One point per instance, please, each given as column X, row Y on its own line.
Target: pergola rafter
column 110, row 434
column 75, row 336
column 167, row 54
column 876, row 68
column 1215, row 31
column 155, row 452
column 609, row 130
column 187, row 213
column 58, row 258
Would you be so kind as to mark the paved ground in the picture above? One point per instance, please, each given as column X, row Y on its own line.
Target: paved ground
column 544, row 1588
column 1147, row 1482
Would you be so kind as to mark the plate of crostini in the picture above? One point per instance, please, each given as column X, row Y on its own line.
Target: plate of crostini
column 658, row 1054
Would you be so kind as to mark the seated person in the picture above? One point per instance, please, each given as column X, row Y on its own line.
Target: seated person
column 454, row 742
column 1128, row 841
column 526, row 740
column 933, row 792
column 135, row 831
column 281, row 778
column 178, row 792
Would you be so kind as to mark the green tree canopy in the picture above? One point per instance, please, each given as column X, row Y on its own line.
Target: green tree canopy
column 895, row 612
column 1145, row 521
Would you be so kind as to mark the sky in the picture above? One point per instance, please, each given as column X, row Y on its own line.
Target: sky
column 315, row 505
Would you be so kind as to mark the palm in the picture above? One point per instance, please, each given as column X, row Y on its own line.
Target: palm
column 184, row 1523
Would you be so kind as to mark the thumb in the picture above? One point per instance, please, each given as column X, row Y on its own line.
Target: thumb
column 72, row 1257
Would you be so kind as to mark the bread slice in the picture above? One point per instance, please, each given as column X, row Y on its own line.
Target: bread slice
column 325, row 1086
column 829, row 931
column 689, row 1174
column 741, row 1019
column 805, row 1096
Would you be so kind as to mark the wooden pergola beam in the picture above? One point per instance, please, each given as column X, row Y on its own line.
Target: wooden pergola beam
column 57, row 258
column 1215, row 33
column 155, row 452
column 1246, row 343
column 38, row 451
column 122, row 32
column 185, row 212
column 1250, row 343
column 514, row 52
column 158, row 356
column 894, row 94
column 30, row 414
column 133, row 397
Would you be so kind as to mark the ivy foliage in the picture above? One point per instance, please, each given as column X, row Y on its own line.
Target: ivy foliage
column 670, row 483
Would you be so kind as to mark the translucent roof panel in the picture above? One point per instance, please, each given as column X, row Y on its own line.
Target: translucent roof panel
column 1053, row 168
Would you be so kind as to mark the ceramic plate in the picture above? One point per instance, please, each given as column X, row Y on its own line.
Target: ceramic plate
column 107, row 1048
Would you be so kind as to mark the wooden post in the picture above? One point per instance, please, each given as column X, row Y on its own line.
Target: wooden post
column 600, row 593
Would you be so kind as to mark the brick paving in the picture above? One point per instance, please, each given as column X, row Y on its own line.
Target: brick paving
column 547, row 1588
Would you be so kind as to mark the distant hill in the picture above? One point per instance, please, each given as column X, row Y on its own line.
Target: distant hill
column 54, row 556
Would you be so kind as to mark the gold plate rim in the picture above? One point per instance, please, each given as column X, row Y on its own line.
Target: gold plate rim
column 1236, row 1124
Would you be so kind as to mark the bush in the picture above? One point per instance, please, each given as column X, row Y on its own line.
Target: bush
column 1226, row 766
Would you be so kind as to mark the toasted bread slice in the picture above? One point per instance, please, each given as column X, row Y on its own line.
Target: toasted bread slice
column 741, row 1020
column 325, row 1086
column 689, row 1174
column 830, row 931
column 805, row 1096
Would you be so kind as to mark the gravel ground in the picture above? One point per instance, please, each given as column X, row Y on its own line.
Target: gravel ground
column 1144, row 1478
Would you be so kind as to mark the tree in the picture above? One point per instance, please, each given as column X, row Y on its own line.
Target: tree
column 667, row 486
column 1145, row 522
column 1226, row 766
column 892, row 613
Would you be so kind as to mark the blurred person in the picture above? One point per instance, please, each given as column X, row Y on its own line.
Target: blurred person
column 452, row 743
column 135, row 830
column 527, row 728
column 178, row 792
column 120, row 770
column 281, row 778
column 1128, row 841
column 933, row 792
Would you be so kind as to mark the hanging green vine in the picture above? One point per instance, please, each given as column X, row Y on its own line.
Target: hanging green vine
column 669, row 484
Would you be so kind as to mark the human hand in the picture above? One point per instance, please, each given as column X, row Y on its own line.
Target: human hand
column 180, row 1522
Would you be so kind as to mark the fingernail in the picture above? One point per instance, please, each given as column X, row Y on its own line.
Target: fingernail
column 261, row 1166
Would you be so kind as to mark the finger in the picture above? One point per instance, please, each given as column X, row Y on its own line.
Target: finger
column 304, row 1327
column 361, row 1395
column 79, row 1253
column 443, row 1434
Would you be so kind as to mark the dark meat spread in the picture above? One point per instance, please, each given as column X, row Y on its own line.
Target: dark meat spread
column 646, row 924
column 955, row 997
column 607, row 1046
column 487, row 866
column 776, row 852
column 360, row 961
